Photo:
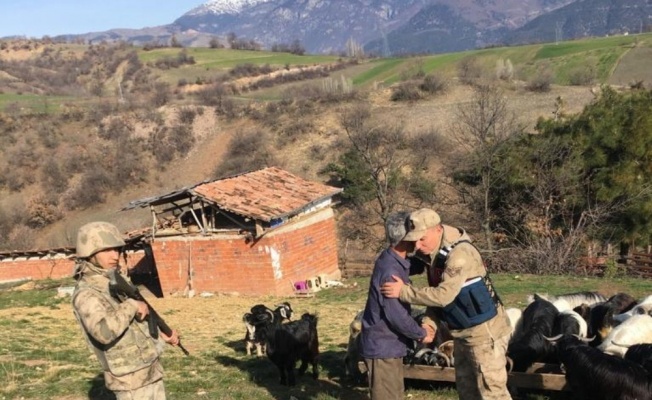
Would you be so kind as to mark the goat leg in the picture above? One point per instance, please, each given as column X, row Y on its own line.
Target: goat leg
column 315, row 368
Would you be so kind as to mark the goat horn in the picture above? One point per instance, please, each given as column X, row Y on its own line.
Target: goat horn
column 271, row 313
column 510, row 364
column 444, row 357
column 627, row 346
column 585, row 340
column 421, row 352
column 554, row 338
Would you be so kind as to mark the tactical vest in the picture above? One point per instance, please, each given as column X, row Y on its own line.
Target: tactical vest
column 132, row 351
column 477, row 301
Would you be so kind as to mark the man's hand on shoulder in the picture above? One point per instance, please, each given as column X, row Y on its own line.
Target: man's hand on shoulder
column 392, row 289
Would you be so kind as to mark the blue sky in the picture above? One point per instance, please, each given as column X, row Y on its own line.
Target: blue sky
column 36, row 18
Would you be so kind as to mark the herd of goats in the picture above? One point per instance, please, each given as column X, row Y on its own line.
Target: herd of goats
column 603, row 345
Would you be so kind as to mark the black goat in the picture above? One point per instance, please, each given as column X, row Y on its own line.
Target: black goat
column 531, row 345
column 593, row 375
column 256, row 318
column 290, row 342
column 641, row 354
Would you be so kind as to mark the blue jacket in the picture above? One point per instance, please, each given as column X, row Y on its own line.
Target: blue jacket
column 387, row 326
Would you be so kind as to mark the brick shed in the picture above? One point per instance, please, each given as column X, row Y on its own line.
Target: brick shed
column 256, row 233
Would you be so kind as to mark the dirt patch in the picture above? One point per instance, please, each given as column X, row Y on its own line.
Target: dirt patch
column 633, row 66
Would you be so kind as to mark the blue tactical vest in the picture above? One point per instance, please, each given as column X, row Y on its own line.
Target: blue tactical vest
column 476, row 303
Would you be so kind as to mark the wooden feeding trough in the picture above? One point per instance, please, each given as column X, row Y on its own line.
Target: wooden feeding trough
column 539, row 376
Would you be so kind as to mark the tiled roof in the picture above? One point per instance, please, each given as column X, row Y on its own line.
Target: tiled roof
column 265, row 194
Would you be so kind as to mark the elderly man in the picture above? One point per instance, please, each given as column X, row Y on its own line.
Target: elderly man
column 460, row 287
column 387, row 325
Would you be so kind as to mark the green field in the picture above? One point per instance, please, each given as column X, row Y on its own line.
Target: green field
column 596, row 58
column 44, row 354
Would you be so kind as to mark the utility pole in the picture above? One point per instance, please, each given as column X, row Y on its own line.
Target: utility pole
column 558, row 33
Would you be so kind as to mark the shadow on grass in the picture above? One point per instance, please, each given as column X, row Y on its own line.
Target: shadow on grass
column 98, row 390
column 332, row 380
column 238, row 346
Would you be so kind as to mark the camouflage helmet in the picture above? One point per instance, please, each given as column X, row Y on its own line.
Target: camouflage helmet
column 97, row 236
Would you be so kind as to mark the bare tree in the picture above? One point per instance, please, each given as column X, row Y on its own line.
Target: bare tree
column 481, row 128
column 384, row 164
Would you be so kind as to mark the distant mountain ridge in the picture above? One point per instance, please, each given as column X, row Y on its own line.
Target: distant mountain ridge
column 393, row 27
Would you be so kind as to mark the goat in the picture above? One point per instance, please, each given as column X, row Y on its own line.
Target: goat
column 256, row 317
column 530, row 345
column 640, row 354
column 290, row 342
column 601, row 319
column 569, row 322
column 593, row 375
column 353, row 357
column 514, row 315
column 643, row 307
column 635, row 330
column 571, row 300
column 439, row 352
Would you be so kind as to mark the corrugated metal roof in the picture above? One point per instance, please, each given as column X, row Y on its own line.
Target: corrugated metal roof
column 266, row 194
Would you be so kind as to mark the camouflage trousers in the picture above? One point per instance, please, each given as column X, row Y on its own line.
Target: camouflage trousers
column 153, row 391
column 480, row 372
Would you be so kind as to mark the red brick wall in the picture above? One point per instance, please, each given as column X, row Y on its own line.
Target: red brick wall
column 35, row 268
column 56, row 267
column 227, row 264
column 303, row 249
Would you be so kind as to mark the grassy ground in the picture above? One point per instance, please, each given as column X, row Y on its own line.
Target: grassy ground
column 44, row 355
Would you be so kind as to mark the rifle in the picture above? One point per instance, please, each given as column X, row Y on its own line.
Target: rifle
column 121, row 289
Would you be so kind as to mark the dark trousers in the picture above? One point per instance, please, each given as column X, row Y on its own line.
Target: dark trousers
column 385, row 378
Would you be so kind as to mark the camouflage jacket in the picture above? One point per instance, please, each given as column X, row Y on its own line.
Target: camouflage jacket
column 128, row 354
column 464, row 262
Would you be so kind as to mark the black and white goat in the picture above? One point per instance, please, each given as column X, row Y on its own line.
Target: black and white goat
column 256, row 318
column 642, row 307
column 601, row 317
column 530, row 344
column 290, row 342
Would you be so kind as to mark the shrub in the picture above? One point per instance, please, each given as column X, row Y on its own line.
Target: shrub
column 91, row 189
column 469, row 70
column 434, row 84
column 181, row 139
column 161, row 94
column 187, row 115
column 406, row 91
column 540, row 83
column 247, row 151
column 294, row 131
column 582, row 76
column 42, row 212
column 504, row 70
column 52, row 177
column 115, row 129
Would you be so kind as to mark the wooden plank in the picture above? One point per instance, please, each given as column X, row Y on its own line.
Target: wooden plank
column 539, row 376
column 538, row 381
column 429, row 373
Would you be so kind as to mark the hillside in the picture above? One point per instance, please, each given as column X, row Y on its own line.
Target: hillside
column 302, row 133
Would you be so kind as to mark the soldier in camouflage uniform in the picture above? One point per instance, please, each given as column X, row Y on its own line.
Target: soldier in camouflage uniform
column 115, row 330
column 463, row 296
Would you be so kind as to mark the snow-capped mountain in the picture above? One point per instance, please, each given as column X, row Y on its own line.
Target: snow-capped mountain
column 393, row 26
column 218, row 7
